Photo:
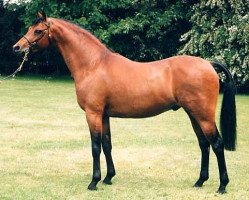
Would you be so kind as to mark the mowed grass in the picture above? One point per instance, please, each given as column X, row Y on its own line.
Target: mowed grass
column 45, row 150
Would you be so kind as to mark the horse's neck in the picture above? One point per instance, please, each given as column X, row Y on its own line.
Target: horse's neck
column 80, row 51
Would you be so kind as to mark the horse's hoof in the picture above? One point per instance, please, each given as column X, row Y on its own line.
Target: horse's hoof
column 107, row 181
column 221, row 190
column 198, row 184
column 92, row 186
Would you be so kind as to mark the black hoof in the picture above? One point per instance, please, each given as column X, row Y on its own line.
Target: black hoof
column 109, row 177
column 107, row 181
column 198, row 184
column 92, row 186
column 222, row 190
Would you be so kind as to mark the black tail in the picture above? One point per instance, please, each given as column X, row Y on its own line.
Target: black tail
column 228, row 109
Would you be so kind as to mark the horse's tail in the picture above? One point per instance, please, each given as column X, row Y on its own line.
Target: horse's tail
column 228, row 109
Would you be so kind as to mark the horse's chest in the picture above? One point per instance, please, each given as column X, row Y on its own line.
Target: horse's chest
column 90, row 96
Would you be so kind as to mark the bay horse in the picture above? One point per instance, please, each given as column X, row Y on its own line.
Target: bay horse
column 110, row 85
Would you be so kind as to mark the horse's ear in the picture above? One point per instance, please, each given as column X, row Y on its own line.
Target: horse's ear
column 42, row 15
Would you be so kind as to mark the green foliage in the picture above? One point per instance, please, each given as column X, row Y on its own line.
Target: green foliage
column 10, row 28
column 220, row 30
column 141, row 30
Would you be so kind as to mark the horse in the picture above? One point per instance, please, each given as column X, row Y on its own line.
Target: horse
column 110, row 85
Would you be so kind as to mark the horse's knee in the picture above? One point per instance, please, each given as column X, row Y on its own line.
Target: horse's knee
column 96, row 145
column 96, row 150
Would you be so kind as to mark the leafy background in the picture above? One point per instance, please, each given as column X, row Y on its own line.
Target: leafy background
column 140, row 30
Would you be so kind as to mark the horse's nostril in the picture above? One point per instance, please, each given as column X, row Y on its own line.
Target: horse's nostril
column 16, row 48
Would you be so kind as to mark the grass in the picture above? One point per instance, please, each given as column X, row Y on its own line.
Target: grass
column 45, row 150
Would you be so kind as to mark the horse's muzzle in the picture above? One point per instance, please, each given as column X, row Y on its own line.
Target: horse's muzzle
column 16, row 49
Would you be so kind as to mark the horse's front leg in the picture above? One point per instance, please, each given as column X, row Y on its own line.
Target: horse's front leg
column 107, row 148
column 94, row 121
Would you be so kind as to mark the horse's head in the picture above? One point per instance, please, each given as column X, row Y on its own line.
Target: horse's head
column 37, row 37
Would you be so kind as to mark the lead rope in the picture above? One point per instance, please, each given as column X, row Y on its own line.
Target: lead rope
column 25, row 58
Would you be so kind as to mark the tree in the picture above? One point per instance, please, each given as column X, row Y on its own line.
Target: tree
column 220, row 30
column 10, row 28
column 141, row 30
column 150, row 29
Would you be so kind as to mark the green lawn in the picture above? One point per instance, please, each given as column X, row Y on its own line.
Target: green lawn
column 45, row 150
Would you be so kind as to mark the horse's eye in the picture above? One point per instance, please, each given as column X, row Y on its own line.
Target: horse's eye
column 38, row 32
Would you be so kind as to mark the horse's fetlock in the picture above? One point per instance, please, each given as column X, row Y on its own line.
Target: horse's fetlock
column 224, row 179
column 96, row 176
column 204, row 176
column 111, row 173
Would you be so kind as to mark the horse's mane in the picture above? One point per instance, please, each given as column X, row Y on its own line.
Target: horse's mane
column 81, row 32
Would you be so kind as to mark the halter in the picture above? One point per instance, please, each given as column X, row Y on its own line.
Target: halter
column 34, row 43
column 31, row 45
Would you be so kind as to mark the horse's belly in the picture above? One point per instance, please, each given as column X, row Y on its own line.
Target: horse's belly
column 141, row 96
column 139, row 109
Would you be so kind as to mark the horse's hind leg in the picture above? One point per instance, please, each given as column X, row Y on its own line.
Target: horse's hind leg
column 218, row 148
column 205, row 147
column 107, row 148
column 203, row 117
column 210, row 131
